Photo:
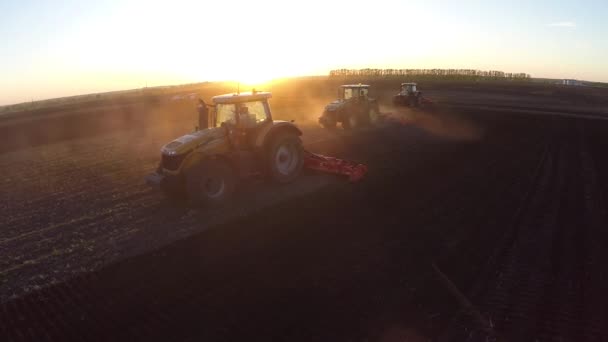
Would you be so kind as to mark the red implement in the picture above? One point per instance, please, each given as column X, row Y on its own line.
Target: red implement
column 395, row 118
column 425, row 101
column 354, row 171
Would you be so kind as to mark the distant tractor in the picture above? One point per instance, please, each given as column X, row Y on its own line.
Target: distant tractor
column 242, row 140
column 408, row 96
column 353, row 108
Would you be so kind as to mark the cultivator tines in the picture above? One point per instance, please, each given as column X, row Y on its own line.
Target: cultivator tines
column 353, row 170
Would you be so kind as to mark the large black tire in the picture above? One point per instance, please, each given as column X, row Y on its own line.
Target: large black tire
column 284, row 157
column 330, row 125
column 374, row 114
column 210, row 182
column 351, row 121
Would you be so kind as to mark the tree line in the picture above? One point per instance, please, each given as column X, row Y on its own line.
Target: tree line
column 429, row 73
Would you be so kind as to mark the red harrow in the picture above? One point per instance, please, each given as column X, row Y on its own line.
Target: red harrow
column 425, row 101
column 353, row 170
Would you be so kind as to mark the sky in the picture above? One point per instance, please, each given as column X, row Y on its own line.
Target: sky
column 60, row 48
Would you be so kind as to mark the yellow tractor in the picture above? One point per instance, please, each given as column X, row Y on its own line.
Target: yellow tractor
column 242, row 140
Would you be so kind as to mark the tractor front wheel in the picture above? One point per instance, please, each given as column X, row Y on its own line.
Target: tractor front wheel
column 285, row 158
column 210, row 182
column 351, row 122
column 374, row 115
column 329, row 124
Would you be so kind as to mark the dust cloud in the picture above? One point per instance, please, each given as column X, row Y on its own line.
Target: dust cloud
column 440, row 123
column 305, row 110
column 302, row 101
column 159, row 119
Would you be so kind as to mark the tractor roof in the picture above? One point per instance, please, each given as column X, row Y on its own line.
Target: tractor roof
column 354, row 86
column 408, row 84
column 242, row 97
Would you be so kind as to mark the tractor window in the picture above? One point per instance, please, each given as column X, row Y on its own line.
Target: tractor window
column 410, row 88
column 252, row 113
column 225, row 113
column 348, row 93
column 363, row 92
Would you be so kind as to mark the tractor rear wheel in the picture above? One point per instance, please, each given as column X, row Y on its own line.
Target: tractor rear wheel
column 285, row 157
column 210, row 182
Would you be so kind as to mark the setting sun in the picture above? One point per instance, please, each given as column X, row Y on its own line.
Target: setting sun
column 133, row 44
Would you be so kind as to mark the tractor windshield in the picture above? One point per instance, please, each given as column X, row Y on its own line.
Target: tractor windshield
column 252, row 113
column 225, row 113
column 410, row 88
column 348, row 93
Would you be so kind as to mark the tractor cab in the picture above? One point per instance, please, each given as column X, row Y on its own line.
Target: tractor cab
column 408, row 88
column 408, row 95
column 242, row 116
column 353, row 91
column 243, row 111
column 352, row 109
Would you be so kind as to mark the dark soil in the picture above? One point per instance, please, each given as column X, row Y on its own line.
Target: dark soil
column 510, row 207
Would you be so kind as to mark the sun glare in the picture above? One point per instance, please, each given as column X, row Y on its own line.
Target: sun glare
column 254, row 79
column 250, row 76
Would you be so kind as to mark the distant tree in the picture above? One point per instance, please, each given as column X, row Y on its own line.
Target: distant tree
column 439, row 74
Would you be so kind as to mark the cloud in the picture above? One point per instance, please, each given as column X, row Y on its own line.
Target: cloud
column 563, row 24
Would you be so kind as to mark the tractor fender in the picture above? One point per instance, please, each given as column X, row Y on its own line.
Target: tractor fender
column 267, row 133
column 192, row 158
